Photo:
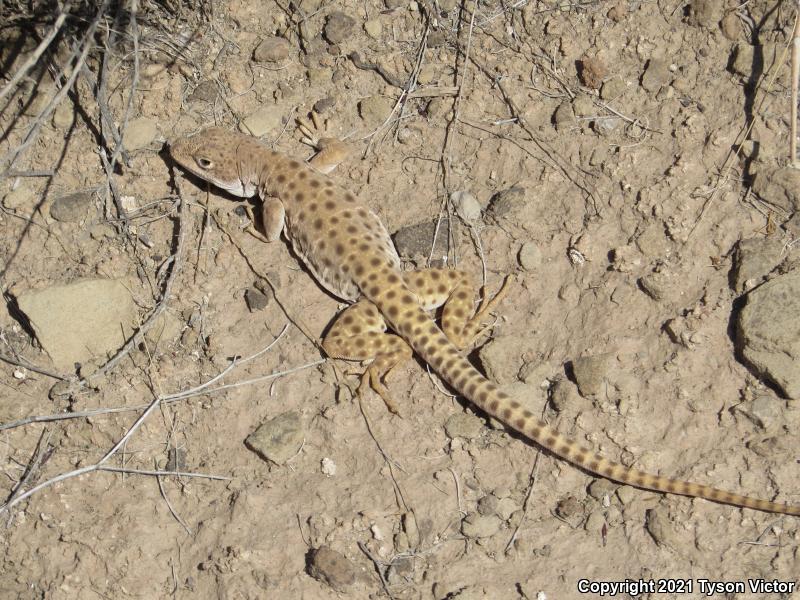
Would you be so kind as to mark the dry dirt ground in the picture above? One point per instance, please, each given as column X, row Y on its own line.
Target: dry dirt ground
column 608, row 147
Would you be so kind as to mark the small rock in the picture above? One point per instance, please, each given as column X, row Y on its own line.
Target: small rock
column 488, row 504
column 375, row 109
column 73, row 207
column 477, row 526
column 565, row 397
column 507, row 203
column 568, row 508
column 140, row 133
column 590, row 373
column 332, row 568
column 79, row 321
column 271, row 49
column 466, row 205
column 754, row 260
column 374, row 29
column 338, row 27
column 731, row 26
column 278, row 439
column 779, row 187
column 595, row 522
column 530, row 256
column 769, row 332
column 328, row 467
column 657, row 285
column 626, row 494
column 592, row 71
column 256, row 300
column 64, row 116
column 765, row 411
column 265, row 120
column 705, row 13
column 600, row 489
column 564, row 116
column 656, row 75
column 416, row 240
column 325, row 104
column 176, row 459
column 463, row 425
column 205, row 91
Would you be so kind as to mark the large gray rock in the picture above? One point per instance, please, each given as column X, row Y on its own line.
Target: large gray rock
column 769, row 332
column 79, row 321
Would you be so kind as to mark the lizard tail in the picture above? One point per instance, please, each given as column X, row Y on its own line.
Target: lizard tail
column 433, row 346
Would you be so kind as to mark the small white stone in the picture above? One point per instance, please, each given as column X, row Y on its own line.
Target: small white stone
column 466, row 205
column 328, row 467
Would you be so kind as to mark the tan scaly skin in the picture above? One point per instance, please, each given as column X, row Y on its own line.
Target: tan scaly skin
column 349, row 251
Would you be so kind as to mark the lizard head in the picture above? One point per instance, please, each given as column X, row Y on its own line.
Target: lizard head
column 218, row 156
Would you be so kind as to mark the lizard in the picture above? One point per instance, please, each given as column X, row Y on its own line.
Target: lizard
column 349, row 251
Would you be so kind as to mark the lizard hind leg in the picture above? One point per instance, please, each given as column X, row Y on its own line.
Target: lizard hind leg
column 453, row 289
column 359, row 334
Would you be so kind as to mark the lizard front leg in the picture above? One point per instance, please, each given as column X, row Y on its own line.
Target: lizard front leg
column 273, row 219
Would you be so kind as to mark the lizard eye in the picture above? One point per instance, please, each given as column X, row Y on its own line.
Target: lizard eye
column 203, row 163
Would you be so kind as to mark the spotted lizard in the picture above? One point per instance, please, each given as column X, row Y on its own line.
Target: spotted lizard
column 350, row 253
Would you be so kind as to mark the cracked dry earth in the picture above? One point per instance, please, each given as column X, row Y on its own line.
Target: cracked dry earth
column 600, row 153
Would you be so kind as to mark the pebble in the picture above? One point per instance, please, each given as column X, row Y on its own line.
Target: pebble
column 332, row 568
column 338, row 27
column 590, row 373
column 140, row 133
column 205, row 91
column 530, row 256
column 374, row 29
column 278, row 439
column 416, row 240
column 266, row 119
column 72, row 208
column 375, row 109
column 565, row 396
column 563, row 116
column 256, row 300
column 600, row 489
column 63, row 116
column 271, row 49
column 466, row 205
column 463, row 425
column 592, row 71
column 508, row 203
column 656, row 75
column 595, row 521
